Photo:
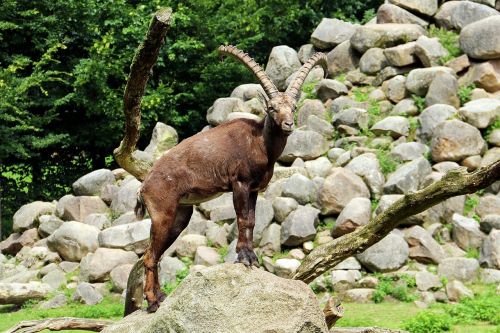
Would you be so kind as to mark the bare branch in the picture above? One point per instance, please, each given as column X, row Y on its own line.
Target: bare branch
column 332, row 311
column 58, row 324
column 456, row 182
column 144, row 60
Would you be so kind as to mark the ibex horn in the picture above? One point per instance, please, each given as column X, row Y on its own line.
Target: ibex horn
column 294, row 88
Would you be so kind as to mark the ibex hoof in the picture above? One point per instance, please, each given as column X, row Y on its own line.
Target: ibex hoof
column 153, row 307
column 248, row 258
column 160, row 295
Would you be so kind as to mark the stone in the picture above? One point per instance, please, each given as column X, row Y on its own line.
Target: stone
column 310, row 107
column 394, row 126
column 459, row 63
column 168, row 269
column 350, row 263
column 222, row 108
column 130, row 237
column 300, row 188
column 387, row 73
column 283, row 207
column 385, row 35
column 283, row 61
column 73, row 240
column 455, row 15
column 409, row 151
column 489, row 223
column 163, row 138
column 188, row 244
column 93, row 183
column 206, row 256
column 339, row 188
column 223, row 213
column 319, row 167
column 419, row 80
column 15, row 242
column 463, row 269
column 108, row 193
column 100, row 221
column 466, row 233
column 443, row 90
column 55, row 279
column 284, row 305
column 85, row 293
column 491, row 156
column 372, row 61
column 355, row 77
column 454, row 140
column 27, row 216
column 307, row 145
column 489, row 275
column 432, row 116
column 490, row 251
column 125, row 218
column 456, row 290
column 358, row 295
column 482, row 112
column 407, row 177
column 55, row 302
column 494, row 138
column 355, row 214
column 18, row 293
column 285, row 267
column 354, row 117
column 299, row 226
column 331, row 32
column 484, row 75
column 342, row 59
column 430, row 51
column 71, row 208
column 271, row 240
column 68, row 266
column 367, row 167
column 217, row 235
column 401, row 55
column 343, row 280
column 95, row 267
column 389, row 254
column 424, row 7
column 297, row 254
column 330, row 89
column 247, row 91
column 305, row 52
column 389, row 13
column 48, row 224
column 423, row 247
column 427, row 281
column 395, row 88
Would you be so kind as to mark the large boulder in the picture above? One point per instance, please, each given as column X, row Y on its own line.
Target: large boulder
column 355, row 214
column 300, row 188
column 490, row 251
column 454, row 15
column 419, row 80
column 283, row 61
column 95, row 267
column 308, row 108
column 307, row 145
column 385, row 35
column 342, row 59
column 222, row 108
column 480, row 39
column 18, row 293
column 330, row 89
column 424, row 7
column 247, row 91
column 280, row 306
column 454, row 140
column 443, row 90
column 389, row 13
column 485, row 75
column 131, row 237
column 432, row 116
column 423, row 247
column 482, row 112
column 463, row 269
column 408, row 177
column 466, row 233
column 372, row 61
column 331, row 32
column 27, row 216
column 73, row 240
column 71, row 208
column 389, row 254
column 429, row 51
column 299, row 226
column 394, row 126
column 16, row 241
column 126, row 197
column 93, row 183
column 163, row 138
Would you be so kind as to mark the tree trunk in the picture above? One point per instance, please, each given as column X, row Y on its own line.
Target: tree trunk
column 455, row 182
column 144, row 60
column 58, row 324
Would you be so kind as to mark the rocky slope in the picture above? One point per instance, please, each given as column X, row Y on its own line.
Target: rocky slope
column 398, row 110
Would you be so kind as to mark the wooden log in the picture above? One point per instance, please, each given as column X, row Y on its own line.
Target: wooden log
column 59, row 324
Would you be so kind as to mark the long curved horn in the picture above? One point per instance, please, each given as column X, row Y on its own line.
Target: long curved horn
column 246, row 60
column 317, row 58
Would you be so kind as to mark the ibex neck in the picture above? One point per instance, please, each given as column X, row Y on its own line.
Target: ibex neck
column 274, row 140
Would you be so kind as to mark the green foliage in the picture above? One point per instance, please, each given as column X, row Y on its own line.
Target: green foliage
column 326, row 224
column 388, row 163
column 341, row 78
column 428, row 322
column 222, row 253
column 280, row 255
column 471, row 203
column 465, row 92
column 169, row 287
column 483, row 308
column 419, row 102
column 449, row 40
column 309, row 91
column 395, row 286
column 414, row 125
column 472, row 253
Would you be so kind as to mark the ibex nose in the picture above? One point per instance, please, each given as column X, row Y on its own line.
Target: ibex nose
column 287, row 126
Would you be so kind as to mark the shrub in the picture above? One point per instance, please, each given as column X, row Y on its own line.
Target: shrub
column 449, row 40
column 388, row 163
column 428, row 322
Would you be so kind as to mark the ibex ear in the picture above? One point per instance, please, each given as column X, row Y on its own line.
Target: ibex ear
column 263, row 99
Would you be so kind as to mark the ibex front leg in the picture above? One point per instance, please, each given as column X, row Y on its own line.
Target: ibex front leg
column 244, row 204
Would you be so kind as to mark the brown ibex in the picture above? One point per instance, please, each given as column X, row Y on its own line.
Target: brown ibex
column 237, row 156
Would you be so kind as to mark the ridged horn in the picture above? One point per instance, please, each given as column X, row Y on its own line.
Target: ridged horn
column 294, row 88
column 248, row 61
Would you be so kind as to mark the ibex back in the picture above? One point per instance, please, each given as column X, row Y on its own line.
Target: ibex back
column 235, row 156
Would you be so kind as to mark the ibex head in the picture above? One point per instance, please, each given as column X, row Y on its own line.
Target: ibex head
column 280, row 106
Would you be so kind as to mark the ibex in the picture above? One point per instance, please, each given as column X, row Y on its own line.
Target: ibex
column 237, row 156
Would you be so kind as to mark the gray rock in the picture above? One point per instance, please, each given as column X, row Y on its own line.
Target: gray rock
column 93, row 183
column 55, row 279
column 119, row 277
column 485, row 75
column 367, row 167
column 358, row 295
column 423, row 247
column 443, row 90
column 286, row 267
column 85, row 293
column 300, row 188
column 389, row 254
column 355, row 214
column 206, row 256
column 409, row 151
column 354, row 117
column 73, row 240
column 389, row 13
column 482, row 112
column 188, row 244
column 424, row 7
column 218, row 113
column 271, row 240
column 372, row 61
column 446, row 166
column 349, row 263
column 264, row 214
column 491, row 156
column 95, row 267
column 108, row 193
column 305, row 52
column 217, row 235
column 223, row 213
column 339, row 188
column 319, row 167
column 342, row 280
column 247, row 91
column 394, row 126
column 395, row 88
column 432, row 116
column 18, row 293
column 342, row 59
column 129, row 237
column 455, row 15
column 310, row 107
column 355, row 77
column 466, row 233
column 427, row 281
column 71, row 208
column 15, row 242
column 226, row 199
column 454, row 140
column 429, row 51
column 463, row 269
column 27, row 216
column 285, row 305
column 401, row 55
column 169, row 267
column 459, row 63
column 283, row 207
column 494, row 138
column 330, row 89
column 68, row 266
column 456, row 290
column 331, row 32
column 48, row 224
column 125, row 218
column 490, row 251
column 47, row 269
column 419, row 80
column 283, row 61
column 163, row 138
column 489, row 223
column 299, row 226
column 100, row 221
column 385, row 35
column 307, row 145
column 489, row 275
column 55, row 302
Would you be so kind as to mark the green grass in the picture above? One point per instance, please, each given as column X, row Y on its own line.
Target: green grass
column 280, row 255
column 419, row 102
column 169, row 287
column 470, row 204
column 465, row 92
column 491, row 128
column 387, row 162
column 400, row 287
column 449, row 40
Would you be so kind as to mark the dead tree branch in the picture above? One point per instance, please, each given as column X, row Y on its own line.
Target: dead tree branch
column 59, row 324
column 144, row 60
column 454, row 183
